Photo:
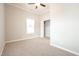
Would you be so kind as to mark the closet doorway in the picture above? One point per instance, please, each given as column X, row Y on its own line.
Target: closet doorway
column 47, row 28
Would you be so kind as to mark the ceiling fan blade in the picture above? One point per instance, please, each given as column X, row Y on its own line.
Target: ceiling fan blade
column 31, row 3
column 43, row 5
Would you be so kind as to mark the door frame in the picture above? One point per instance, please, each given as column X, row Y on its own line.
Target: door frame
column 42, row 27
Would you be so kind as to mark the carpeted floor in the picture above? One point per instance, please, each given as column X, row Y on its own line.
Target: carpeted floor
column 33, row 47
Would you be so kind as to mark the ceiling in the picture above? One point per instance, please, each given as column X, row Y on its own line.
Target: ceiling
column 40, row 10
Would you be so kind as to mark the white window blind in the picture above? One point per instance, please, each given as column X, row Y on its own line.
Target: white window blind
column 30, row 26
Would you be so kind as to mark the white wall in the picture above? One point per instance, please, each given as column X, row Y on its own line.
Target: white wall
column 16, row 23
column 65, row 26
column 2, row 34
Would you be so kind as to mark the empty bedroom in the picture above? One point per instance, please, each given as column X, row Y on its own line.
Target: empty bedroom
column 39, row 29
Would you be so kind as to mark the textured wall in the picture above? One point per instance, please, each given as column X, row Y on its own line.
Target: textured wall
column 65, row 26
column 2, row 28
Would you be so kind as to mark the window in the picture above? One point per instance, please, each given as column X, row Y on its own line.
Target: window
column 30, row 26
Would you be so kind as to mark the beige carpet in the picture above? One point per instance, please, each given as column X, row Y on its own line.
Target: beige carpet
column 33, row 47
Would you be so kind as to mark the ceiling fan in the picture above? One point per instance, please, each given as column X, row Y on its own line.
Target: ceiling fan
column 37, row 4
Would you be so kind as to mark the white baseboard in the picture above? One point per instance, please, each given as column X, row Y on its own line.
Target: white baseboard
column 14, row 40
column 19, row 40
column 65, row 49
column 2, row 50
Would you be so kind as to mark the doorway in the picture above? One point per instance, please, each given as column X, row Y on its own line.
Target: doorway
column 47, row 28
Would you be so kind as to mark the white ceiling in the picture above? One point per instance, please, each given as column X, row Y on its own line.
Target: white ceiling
column 40, row 10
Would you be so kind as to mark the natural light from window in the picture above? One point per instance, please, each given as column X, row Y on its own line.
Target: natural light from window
column 30, row 26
